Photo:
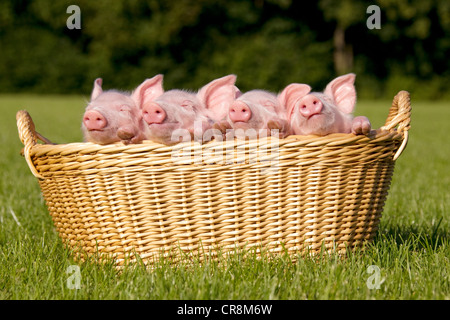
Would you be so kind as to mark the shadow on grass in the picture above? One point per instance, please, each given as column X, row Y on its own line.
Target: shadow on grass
column 421, row 237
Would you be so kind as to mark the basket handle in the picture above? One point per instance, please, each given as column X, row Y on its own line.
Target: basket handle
column 29, row 136
column 400, row 115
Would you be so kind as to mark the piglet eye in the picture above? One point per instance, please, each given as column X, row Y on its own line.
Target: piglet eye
column 125, row 108
column 187, row 104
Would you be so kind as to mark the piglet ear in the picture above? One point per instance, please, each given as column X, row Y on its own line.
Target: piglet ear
column 97, row 90
column 218, row 95
column 238, row 92
column 342, row 91
column 291, row 94
column 148, row 90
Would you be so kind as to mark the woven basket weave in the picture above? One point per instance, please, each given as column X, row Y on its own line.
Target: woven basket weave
column 293, row 194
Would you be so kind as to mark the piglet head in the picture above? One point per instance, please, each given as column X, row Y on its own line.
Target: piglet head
column 171, row 115
column 254, row 109
column 111, row 116
column 254, row 114
column 177, row 115
column 321, row 113
column 167, row 114
column 155, row 117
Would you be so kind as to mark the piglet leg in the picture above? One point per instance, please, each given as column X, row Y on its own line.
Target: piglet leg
column 224, row 127
column 282, row 126
column 361, row 125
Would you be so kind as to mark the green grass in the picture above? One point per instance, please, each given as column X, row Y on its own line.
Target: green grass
column 411, row 250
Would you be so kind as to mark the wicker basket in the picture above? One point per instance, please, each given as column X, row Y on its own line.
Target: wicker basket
column 293, row 194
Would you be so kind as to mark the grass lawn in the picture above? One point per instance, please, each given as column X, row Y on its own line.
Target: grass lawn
column 410, row 255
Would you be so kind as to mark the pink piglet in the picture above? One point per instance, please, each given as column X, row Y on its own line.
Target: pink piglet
column 322, row 113
column 179, row 115
column 111, row 116
column 256, row 113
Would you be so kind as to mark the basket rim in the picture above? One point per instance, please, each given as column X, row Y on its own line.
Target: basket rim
column 334, row 139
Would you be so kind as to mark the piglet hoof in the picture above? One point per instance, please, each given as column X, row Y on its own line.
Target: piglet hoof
column 126, row 142
column 125, row 135
column 274, row 125
column 134, row 140
column 222, row 126
column 280, row 128
column 274, row 128
column 361, row 126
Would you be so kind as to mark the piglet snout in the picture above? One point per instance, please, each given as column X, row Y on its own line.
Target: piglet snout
column 310, row 105
column 240, row 112
column 94, row 120
column 153, row 113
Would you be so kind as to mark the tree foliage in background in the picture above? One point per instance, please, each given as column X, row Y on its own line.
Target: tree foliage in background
column 266, row 43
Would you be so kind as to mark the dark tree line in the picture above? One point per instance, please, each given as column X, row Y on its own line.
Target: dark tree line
column 266, row 43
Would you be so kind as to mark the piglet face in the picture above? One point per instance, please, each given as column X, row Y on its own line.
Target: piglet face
column 178, row 115
column 111, row 117
column 253, row 110
column 256, row 113
column 172, row 112
column 319, row 113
